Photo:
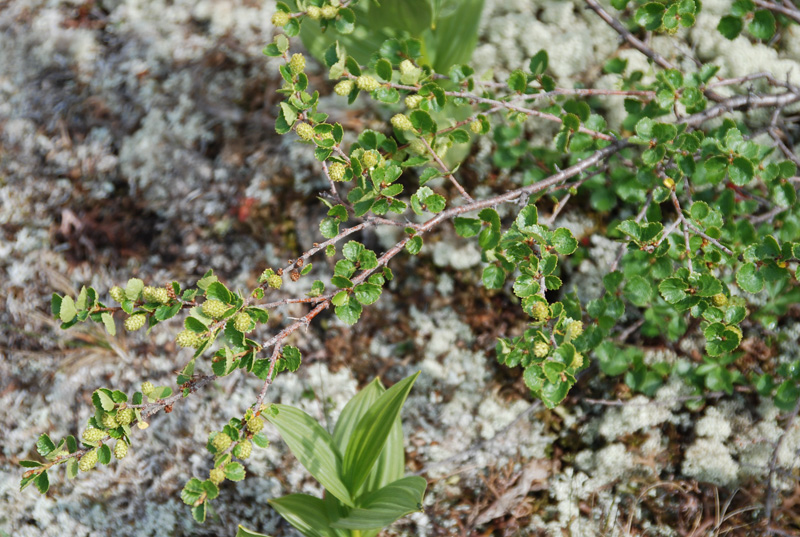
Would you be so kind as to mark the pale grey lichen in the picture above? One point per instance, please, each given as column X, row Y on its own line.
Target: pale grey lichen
column 709, row 460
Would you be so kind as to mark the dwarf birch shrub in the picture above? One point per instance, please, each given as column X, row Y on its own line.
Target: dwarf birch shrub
column 696, row 185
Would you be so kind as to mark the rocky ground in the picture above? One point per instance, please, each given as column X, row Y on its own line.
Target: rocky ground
column 136, row 139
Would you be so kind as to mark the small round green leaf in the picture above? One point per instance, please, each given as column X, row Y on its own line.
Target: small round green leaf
column 749, row 279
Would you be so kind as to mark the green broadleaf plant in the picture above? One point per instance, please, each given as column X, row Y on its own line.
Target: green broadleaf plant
column 360, row 465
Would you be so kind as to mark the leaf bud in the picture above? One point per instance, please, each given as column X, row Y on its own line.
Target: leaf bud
column 407, row 67
column 109, row 421
column 92, row 435
column 304, row 131
column 280, row 18
column 88, row 461
column 275, row 281
column 216, row 476
column 336, row 171
column 155, row 294
column 125, row 416
column 412, row 101
column 314, row 12
column 214, row 308
column 187, row 338
column 243, row 449
column 242, row 322
column 669, row 183
column 540, row 310
column 541, row 349
column 255, row 424
column 298, row 63
column 329, row 12
column 120, row 449
column 367, row 83
column 221, row 442
column 574, row 329
column 148, row 388
column 370, row 159
column 118, row 294
column 344, row 87
column 402, row 123
column 134, row 322
column 417, row 147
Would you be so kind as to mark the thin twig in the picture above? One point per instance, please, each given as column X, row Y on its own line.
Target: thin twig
column 563, row 201
column 685, row 222
column 773, row 132
column 742, row 102
column 659, row 402
column 668, row 231
column 634, row 41
column 447, row 172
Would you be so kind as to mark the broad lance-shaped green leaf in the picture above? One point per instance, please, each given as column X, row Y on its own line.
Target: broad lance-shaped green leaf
column 313, row 447
column 244, row 532
column 386, row 505
column 370, row 435
column 391, row 461
column 306, row 513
